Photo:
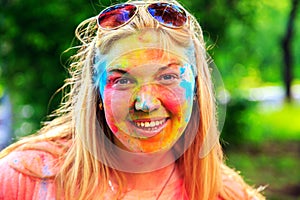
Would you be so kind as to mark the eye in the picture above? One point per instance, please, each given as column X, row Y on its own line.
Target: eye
column 168, row 78
column 123, row 83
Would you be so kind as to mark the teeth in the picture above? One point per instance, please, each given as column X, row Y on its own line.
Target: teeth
column 152, row 124
column 147, row 124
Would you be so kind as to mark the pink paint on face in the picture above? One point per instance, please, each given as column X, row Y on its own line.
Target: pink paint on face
column 147, row 96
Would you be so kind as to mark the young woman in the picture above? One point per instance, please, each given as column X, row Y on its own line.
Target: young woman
column 139, row 120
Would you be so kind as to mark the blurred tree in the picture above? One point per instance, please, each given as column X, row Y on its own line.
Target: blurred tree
column 287, row 49
column 215, row 16
column 33, row 35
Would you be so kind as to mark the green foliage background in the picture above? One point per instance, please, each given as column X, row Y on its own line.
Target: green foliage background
column 244, row 37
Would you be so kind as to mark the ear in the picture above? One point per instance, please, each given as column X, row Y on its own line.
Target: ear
column 100, row 104
column 195, row 89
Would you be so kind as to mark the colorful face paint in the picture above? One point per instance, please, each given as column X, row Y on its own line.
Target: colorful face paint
column 147, row 94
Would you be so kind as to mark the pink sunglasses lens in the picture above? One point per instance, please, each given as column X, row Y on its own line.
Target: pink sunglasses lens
column 116, row 16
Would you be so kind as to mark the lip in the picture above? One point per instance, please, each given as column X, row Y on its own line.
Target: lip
column 146, row 128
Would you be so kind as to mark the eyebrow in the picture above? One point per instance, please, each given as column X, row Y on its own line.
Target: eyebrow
column 166, row 67
column 122, row 71
column 117, row 70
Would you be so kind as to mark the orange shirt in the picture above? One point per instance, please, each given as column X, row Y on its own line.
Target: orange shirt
column 21, row 170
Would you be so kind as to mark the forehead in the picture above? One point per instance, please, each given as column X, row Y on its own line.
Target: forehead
column 147, row 45
column 142, row 57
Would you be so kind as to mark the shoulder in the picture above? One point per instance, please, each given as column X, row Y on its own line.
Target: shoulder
column 29, row 170
column 40, row 159
column 234, row 187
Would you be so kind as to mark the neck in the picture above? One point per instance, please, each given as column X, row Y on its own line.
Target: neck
column 151, row 180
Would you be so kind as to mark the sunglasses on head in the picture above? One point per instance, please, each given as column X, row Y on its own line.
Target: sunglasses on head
column 167, row 14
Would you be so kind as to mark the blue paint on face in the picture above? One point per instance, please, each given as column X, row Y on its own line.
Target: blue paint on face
column 102, row 83
column 190, row 53
column 145, row 106
column 142, row 104
column 100, row 78
column 189, row 88
column 182, row 70
column 187, row 85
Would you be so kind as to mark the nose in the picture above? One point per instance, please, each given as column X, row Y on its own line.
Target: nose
column 146, row 99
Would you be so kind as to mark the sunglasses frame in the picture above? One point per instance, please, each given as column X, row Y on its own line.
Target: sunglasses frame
column 137, row 5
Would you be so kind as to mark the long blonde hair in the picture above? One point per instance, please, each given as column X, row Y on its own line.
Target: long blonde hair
column 83, row 176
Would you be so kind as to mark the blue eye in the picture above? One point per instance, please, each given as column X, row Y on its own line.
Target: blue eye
column 123, row 83
column 168, row 78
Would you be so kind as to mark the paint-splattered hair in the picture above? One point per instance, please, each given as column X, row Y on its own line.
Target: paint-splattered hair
column 84, row 176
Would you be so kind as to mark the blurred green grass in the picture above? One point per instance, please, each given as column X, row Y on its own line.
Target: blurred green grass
column 271, row 150
column 280, row 124
column 280, row 173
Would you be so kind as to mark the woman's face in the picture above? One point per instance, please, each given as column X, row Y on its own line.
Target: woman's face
column 147, row 92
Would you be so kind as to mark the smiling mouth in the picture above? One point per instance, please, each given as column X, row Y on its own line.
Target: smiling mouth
column 150, row 124
column 149, row 127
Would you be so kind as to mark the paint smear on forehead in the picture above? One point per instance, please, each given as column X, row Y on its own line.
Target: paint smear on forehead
column 151, row 39
column 143, row 56
column 147, row 37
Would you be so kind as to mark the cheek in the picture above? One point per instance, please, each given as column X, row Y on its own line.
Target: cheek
column 116, row 107
column 107, row 103
column 171, row 100
column 176, row 99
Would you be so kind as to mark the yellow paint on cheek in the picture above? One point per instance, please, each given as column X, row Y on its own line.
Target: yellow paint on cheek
column 166, row 139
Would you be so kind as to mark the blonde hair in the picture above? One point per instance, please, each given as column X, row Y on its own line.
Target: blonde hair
column 80, row 174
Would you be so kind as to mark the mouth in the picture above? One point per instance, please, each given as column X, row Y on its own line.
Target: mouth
column 149, row 127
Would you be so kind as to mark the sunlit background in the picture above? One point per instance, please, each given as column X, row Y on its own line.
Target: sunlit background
column 255, row 45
